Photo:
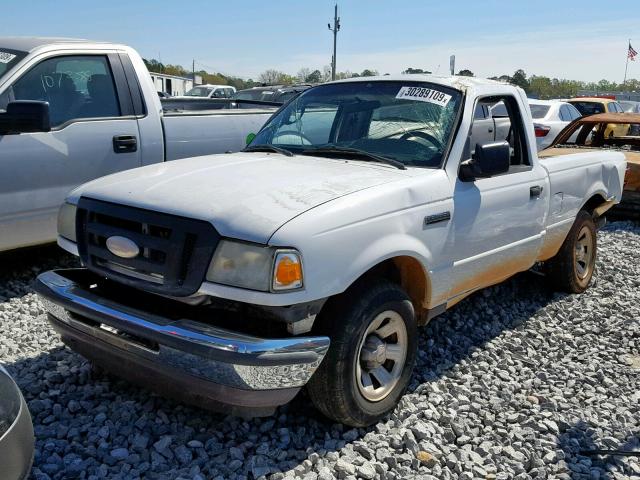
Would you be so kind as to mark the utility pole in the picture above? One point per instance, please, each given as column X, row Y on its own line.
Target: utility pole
column 193, row 73
column 335, row 30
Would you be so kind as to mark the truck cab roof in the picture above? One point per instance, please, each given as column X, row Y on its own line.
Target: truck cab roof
column 453, row 81
column 29, row 44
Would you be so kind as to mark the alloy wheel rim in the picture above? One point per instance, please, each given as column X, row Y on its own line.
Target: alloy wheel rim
column 583, row 253
column 382, row 354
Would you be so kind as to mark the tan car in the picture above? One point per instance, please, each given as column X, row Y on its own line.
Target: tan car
column 589, row 133
column 595, row 105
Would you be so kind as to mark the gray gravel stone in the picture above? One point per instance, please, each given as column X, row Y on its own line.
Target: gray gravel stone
column 366, row 471
column 513, row 382
column 120, row 453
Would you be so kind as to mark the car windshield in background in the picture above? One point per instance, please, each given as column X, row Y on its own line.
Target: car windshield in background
column 408, row 122
column 199, row 92
column 539, row 111
column 588, row 108
column 8, row 58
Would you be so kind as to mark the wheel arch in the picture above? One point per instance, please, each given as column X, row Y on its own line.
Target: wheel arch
column 409, row 273
column 595, row 201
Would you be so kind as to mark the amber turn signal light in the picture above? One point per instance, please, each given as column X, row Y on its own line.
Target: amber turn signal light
column 287, row 272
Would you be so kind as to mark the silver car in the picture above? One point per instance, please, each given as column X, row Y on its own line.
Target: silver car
column 549, row 118
column 630, row 106
column 16, row 431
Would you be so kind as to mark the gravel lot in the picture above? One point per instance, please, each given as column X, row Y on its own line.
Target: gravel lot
column 515, row 382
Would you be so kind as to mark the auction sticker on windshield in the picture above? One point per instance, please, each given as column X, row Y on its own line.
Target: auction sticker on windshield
column 424, row 94
column 6, row 57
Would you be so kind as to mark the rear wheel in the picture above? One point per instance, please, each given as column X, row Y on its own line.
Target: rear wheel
column 572, row 268
column 373, row 348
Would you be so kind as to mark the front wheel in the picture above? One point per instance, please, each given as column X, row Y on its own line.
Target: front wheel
column 373, row 349
column 572, row 268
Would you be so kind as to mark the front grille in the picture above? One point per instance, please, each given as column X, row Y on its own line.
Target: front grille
column 175, row 252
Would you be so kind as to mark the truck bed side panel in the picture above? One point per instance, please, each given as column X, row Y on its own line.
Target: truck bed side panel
column 574, row 179
column 195, row 133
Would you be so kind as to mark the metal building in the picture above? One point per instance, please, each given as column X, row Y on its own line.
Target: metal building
column 171, row 84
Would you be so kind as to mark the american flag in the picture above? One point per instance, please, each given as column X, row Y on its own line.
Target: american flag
column 632, row 53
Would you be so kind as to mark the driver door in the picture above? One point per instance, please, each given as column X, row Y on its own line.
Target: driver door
column 497, row 222
column 94, row 133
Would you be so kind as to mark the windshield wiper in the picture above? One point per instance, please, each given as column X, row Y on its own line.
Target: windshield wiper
column 268, row 148
column 356, row 152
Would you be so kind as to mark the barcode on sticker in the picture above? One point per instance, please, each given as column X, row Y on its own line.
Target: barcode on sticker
column 424, row 94
column 6, row 57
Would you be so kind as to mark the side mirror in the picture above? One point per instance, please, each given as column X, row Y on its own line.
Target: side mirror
column 490, row 159
column 25, row 116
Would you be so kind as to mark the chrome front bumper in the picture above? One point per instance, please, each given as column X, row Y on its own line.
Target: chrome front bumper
column 211, row 363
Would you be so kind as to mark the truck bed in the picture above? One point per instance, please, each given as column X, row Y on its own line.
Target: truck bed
column 203, row 132
column 600, row 176
column 629, row 207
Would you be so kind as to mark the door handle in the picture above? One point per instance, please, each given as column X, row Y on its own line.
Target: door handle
column 125, row 143
column 535, row 191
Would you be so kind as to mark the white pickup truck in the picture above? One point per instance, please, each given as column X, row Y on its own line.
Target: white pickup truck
column 356, row 214
column 72, row 111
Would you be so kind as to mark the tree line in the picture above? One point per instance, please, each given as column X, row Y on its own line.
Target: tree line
column 155, row 66
column 537, row 86
column 540, row 86
column 268, row 77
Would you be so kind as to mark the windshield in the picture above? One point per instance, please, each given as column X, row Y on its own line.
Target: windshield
column 410, row 122
column 199, row 92
column 538, row 111
column 8, row 58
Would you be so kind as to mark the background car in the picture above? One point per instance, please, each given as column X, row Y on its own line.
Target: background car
column 16, row 431
column 212, row 91
column 593, row 105
column 630, row 106
column 272, row 93
column 254, row 93
column 549, row 118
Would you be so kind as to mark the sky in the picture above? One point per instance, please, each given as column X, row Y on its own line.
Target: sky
column 581, row 41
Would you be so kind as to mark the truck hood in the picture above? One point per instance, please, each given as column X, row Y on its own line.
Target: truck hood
column 243, row 195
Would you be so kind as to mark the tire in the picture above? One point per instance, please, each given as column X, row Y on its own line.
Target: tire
column 343, row 388
column 571, row 271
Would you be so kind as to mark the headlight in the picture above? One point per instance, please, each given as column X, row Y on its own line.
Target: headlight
column 255, row 267
column 67, row 221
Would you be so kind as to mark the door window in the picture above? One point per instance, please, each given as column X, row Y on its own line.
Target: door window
column 481, row 112
column 509, row 127
column 76, row 87
column 565, row 115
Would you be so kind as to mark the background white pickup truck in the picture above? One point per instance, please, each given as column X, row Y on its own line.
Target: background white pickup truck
column 104, row 116
column 360, row 211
